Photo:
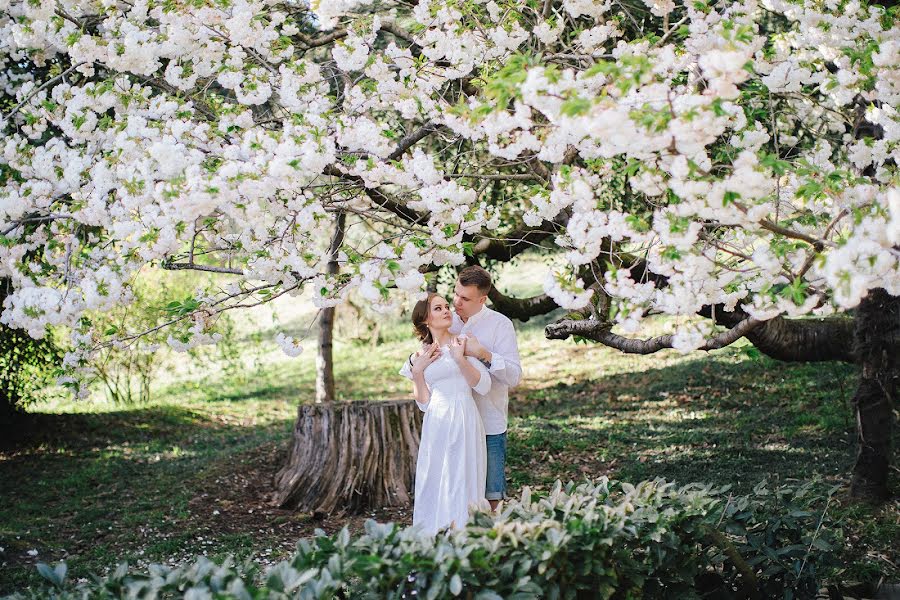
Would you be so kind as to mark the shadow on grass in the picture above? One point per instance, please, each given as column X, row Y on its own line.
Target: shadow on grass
column 53, row 431
column 53, row 459
column 94, row 488
column 714, row 419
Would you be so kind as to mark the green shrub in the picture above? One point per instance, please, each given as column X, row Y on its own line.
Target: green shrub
column 26, row 366
column 603, row 540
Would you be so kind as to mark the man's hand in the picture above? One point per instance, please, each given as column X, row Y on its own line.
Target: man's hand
column 476, row 350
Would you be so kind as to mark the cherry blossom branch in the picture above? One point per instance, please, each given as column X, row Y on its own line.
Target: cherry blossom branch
column 409, row 141
column 36, row 91
column 211, row 313
column 379, row 198
column 809, row 261
column 195, row 267
column 788, row 233
column 496, row 176
column 671, row 30
column 600, row 331
column 43, row 218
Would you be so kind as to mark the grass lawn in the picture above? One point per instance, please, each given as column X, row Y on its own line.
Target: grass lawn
column 190, row 472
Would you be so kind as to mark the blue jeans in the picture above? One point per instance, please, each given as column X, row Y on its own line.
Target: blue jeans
column 495, row 486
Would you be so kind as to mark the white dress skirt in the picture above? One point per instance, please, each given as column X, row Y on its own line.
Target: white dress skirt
column 452, row 463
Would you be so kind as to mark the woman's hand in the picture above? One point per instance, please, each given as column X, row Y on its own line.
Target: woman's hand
column 458, row 348
column 425, row 357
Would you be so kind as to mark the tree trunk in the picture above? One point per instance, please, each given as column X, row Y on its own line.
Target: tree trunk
column 324, row 356
column 875, row 345
column 350, row 457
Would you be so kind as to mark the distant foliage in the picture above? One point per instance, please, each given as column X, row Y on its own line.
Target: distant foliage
column 604, row 540
column 127, row 371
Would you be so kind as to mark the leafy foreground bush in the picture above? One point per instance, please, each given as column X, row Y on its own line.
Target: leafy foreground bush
column 603, row 540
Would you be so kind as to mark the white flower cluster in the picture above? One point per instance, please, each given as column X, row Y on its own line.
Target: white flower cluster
column 566, row 290
column 289, row 345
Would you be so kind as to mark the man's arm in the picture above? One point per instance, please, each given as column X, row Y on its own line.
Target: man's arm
column 503, row 361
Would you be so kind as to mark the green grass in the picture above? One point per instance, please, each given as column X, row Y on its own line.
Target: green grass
column 187, row 474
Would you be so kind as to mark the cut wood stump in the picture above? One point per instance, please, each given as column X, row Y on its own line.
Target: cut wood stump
column 349, row 457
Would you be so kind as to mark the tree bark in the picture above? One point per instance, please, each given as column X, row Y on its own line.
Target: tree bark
column 795, row 340
column 521, row 308
column 325, row 354
column 325, row 358
column 351, row 457
column 875, row 344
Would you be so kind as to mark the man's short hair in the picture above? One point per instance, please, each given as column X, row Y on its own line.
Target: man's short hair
column 477, row 276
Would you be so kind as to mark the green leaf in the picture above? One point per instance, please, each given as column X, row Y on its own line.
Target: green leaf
column 717, row 108
column 48, row 573
column 810, row 190
column 455, row 585
column 575, row 106
column 751, row 352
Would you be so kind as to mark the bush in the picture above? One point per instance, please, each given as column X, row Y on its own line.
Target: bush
column 603, row 540
column 26, row 366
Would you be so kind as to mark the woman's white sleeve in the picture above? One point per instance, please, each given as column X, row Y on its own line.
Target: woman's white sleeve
column 484, row 382
column 406, row 370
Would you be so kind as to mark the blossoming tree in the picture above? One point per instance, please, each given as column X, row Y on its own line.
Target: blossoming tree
column 732, row 164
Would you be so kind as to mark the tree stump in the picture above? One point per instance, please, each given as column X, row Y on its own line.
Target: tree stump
column 351, row 456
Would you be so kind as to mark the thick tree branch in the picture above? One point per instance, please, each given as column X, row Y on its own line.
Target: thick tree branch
column 323, row 40
column 790, row 340
column 521, row 308
column 391, row 26
column 195, row 267
column 795, row 340
column 600, row 331
column 378, row 197
column 409, row 141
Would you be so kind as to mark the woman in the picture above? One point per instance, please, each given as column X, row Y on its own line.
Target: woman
column 451, row 466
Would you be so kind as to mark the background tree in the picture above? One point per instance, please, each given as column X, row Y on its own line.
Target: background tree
column 325, row 356
column 730, row 164
column 26, row 365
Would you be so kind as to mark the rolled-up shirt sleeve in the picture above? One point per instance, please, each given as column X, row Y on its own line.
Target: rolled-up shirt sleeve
column 484, row 382
column 506, row 365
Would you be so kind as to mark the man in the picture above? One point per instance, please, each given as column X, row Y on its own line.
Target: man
column 491, row 338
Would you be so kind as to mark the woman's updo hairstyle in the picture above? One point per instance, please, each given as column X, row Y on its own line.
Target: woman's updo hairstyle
column 420, row 318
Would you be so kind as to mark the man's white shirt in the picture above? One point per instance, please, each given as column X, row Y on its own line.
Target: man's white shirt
column 496, row 333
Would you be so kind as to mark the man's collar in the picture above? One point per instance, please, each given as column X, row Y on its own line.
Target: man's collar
column 480, row 314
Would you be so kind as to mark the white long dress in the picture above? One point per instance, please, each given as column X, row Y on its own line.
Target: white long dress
column 452, row 463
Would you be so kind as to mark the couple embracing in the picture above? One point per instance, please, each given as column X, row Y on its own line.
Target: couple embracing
column 461, row 379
